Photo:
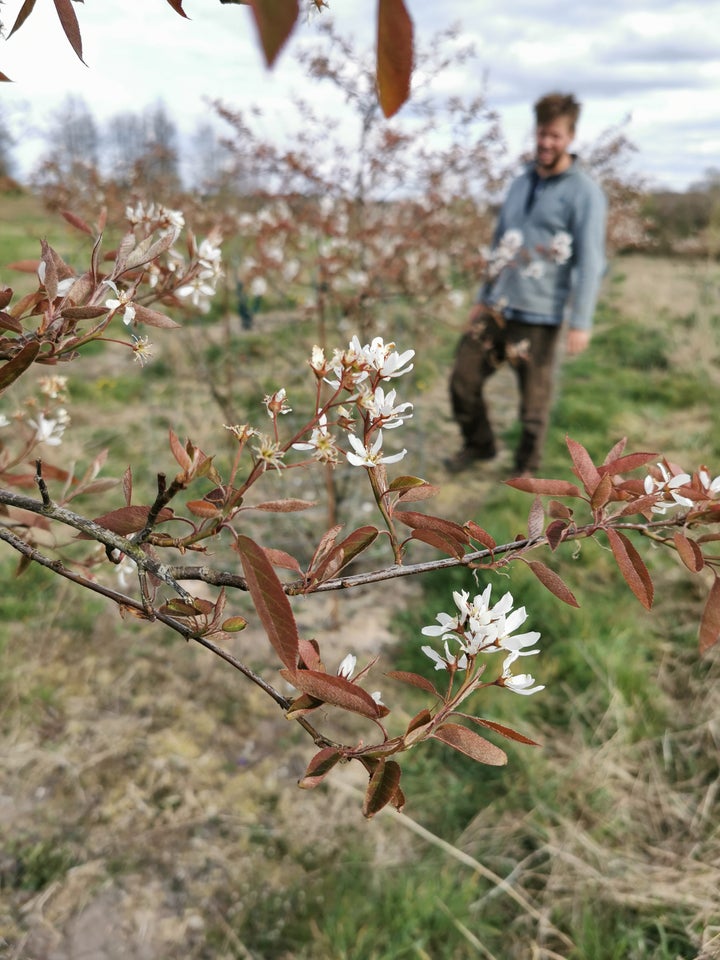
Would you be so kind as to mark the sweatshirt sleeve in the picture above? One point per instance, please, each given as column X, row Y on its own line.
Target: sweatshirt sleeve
column 589, row 250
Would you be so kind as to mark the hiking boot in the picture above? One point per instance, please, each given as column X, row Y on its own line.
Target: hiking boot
column 465, row 458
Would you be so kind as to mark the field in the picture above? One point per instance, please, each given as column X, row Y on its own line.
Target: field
column 148, row 799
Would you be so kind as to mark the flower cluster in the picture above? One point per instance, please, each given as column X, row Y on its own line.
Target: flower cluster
column 561, row 247
column 360, row 371
column 200, row 285
column 50, row 430
column 666, row 485
column 479, row 628
column 156, row 217
column 504, row 252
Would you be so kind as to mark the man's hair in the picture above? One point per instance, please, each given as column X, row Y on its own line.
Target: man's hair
column 554, row 105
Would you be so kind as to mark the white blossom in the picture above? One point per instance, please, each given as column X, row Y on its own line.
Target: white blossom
column 667, row 486
column 711, row 487
column 50, row 430
column 535, row 270
column 277, row 403
column 523, row 683
column 370, row 456
column 385, row 408
column 121, row 303
column 321, row 442
column 347, row 666
column 561, row 247
column 198, row 290
column 482, row 628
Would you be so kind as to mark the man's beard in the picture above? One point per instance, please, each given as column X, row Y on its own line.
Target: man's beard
column 548, row 161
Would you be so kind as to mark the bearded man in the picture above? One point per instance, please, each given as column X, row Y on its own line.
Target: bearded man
column 544, row 268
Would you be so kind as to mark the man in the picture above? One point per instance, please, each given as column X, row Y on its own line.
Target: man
column 547, row 259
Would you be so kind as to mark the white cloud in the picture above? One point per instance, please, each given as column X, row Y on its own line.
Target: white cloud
column 658, row 62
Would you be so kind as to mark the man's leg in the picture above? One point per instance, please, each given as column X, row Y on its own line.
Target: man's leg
column 531, row 349
column 478, row 355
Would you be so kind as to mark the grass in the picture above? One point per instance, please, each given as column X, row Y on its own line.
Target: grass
column 143, row 769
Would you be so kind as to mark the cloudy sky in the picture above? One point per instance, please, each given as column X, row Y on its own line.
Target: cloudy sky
column 657, row 63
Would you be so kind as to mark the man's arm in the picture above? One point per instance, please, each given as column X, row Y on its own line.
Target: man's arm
column 589, row 267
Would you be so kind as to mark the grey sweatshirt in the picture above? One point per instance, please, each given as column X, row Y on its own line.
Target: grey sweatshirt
column 549, row 248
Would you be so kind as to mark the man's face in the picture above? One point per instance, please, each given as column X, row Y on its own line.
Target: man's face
column 552, row 141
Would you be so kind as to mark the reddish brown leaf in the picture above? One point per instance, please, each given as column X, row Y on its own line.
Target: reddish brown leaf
column 631, row 566
column 70, row 25
column 326, row 544
column 4, row 78
column 274, row 20
column 440, row 542
column 127, row 486
column 414, row 679
column 309, row 655
column 9, row 323
column 319, row 767
column 424, row 492
column 640, row 505
column 616, row 451
column 383, row 787
column 345, row 551
column 709, row 633
column 10, row 371
column 177, row 7
column 201, row 508
column 179, row 452
column 77, row 222
column 421, row 719
column 471, row 744
column 630, row 462
column 302, row 705
column 421, row 521
column 552, row 488
column 278, row 558
column 689, row 552
column 24, row 266
column 25, row 10
column 481, row 536
column 394, row 55
column 83, row 313
column 290, row 505
column 583, row 467
column 602, row 492
column 153, row 318
column 548, row 578
column 127, row 520
column 536, row 519
column 336, row 691
column 559, row 511
column 271, row 603
column 554, row 533
column 500, row 728
column 50, row 280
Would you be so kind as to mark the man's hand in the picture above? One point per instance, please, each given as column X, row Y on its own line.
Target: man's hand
column 476, row 311
column 577, row 341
